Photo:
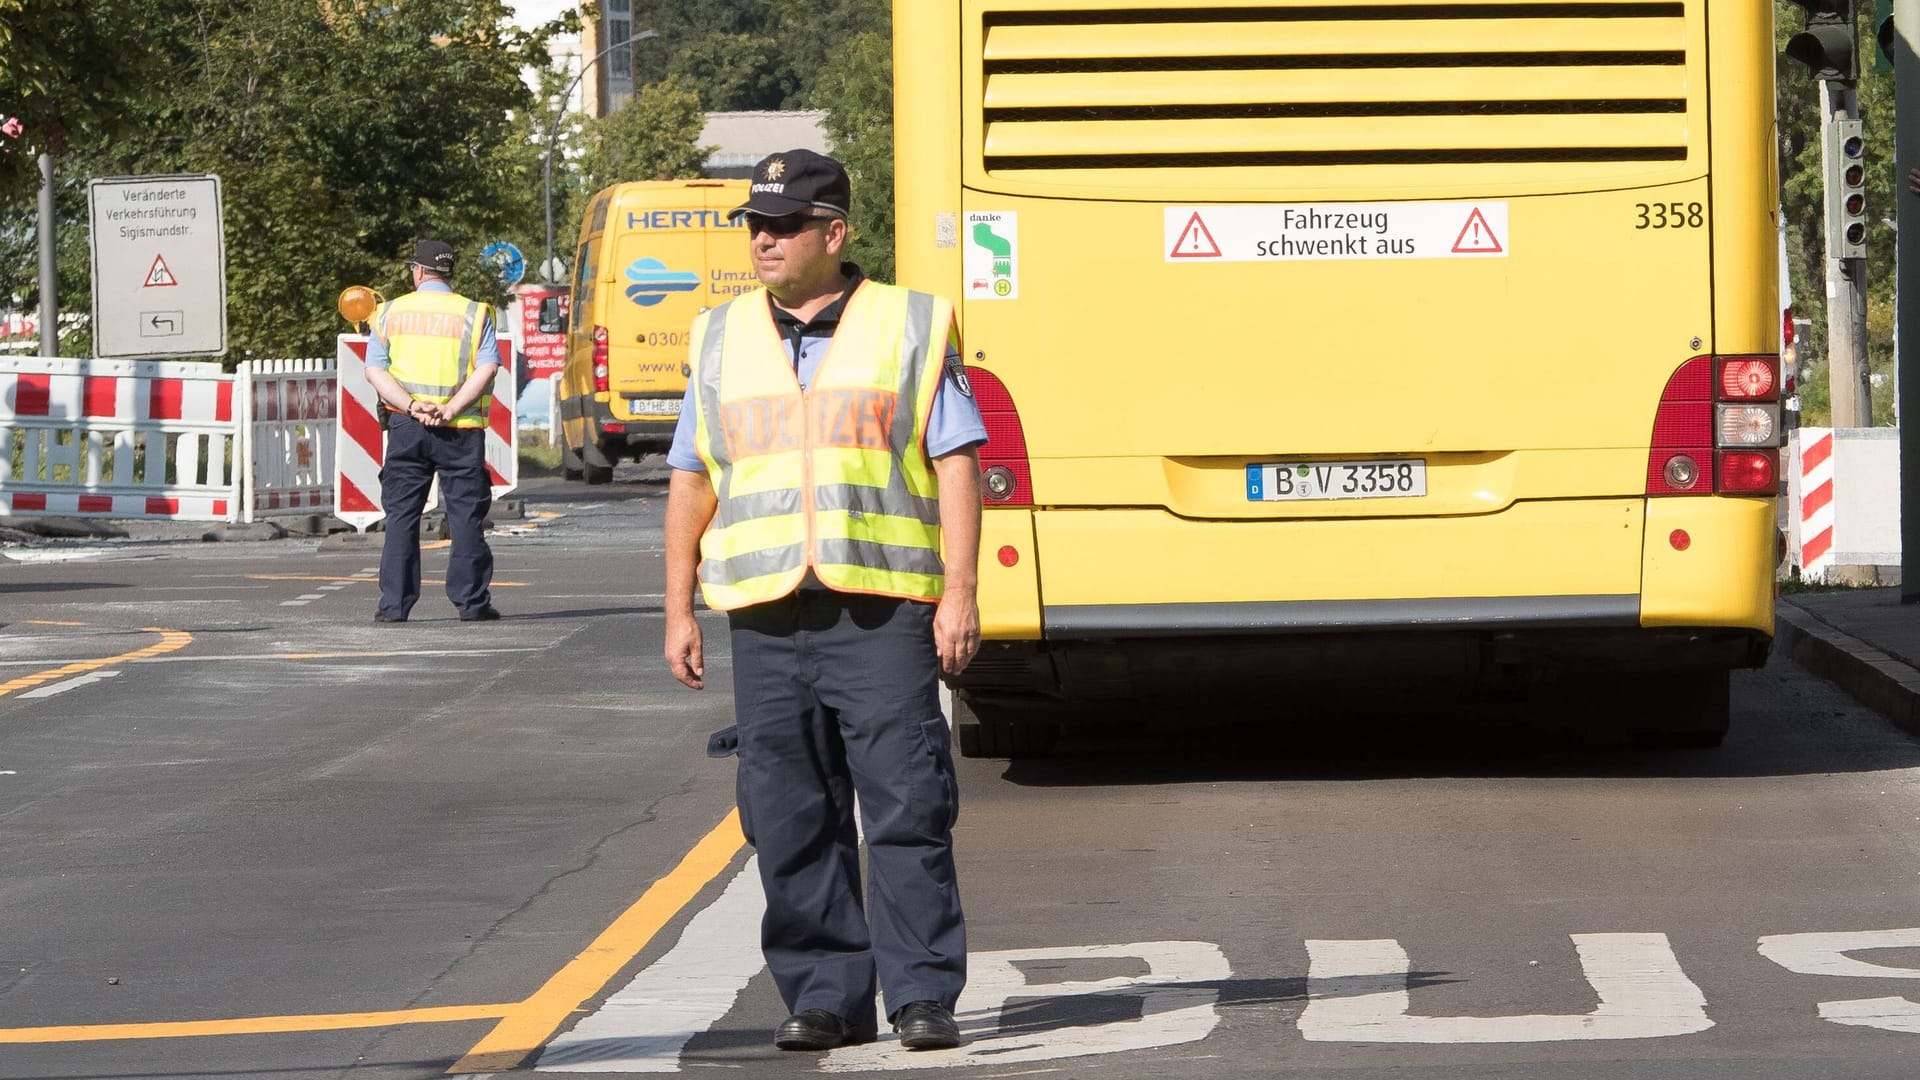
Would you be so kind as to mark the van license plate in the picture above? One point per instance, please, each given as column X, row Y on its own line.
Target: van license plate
column 654, row 406
column 1290, row 481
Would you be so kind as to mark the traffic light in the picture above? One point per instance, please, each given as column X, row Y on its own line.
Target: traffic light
column 1846, row 165
column 1883, row 34
column 1828, row 46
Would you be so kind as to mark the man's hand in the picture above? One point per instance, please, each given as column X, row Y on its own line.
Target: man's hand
column 426, row 412
column 956, row 629
column 683, row 650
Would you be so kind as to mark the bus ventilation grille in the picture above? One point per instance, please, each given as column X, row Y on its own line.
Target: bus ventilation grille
column 1529, row 89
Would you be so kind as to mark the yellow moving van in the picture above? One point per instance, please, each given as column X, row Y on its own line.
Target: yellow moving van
column 653, row 254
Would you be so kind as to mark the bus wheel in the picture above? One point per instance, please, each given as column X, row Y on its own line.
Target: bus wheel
column 570, row 466
column 1686, row 709
column 995, row 729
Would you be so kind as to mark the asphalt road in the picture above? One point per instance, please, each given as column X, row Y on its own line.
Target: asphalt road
column 247, row 832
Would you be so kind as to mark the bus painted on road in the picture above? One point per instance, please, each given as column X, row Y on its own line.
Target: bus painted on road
column 1345, row 340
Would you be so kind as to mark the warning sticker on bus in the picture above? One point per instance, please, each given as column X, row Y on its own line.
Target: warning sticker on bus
column 1267, row 232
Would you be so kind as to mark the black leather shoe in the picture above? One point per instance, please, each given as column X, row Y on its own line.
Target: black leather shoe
column 381, row 616
column 927, row 1025
column 485, row 614
column 815, row 1029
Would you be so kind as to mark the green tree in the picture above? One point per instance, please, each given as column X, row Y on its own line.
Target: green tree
column 66, row 70
column 737, row 71
column 341, row 133
column 856, row 89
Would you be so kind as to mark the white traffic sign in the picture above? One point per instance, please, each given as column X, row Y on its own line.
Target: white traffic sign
column 1276, row 232
column 159, row 266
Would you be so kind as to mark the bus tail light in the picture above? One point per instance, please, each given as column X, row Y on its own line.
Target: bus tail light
column 599, row 359
column 1681, row 460
column 1748, row 472
column 1717, row 430
column 1005, row 479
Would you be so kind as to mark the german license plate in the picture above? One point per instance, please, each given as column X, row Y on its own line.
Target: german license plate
column 654, row 406
column 1291, row 481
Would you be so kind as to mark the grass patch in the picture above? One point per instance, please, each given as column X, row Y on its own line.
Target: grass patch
column 536, row 453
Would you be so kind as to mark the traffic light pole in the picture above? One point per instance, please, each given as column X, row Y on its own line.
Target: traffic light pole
column 1906, row 335
column 1846, row 291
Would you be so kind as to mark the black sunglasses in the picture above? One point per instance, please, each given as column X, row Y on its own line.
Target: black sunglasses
column 783, row 226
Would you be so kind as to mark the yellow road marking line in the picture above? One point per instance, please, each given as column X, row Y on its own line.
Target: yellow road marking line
column 52, row 622
column 532, row 1022
column 523, row 1025
column 253, row 1025
column 361, row 580
column 170, row 641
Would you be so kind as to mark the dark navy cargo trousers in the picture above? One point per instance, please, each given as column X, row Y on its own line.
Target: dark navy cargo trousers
column 837, row 694
column 414, row 453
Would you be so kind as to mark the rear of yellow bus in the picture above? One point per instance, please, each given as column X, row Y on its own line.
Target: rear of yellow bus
column 1436, row 340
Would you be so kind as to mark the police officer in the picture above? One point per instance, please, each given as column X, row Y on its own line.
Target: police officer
column 432, row 358
column 826, row 482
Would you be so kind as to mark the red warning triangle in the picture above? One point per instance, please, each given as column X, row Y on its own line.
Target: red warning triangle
column 1195, row 241
column 158, row 274
column 1476, row 237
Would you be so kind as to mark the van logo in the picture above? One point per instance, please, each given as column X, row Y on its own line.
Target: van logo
column 653, row 282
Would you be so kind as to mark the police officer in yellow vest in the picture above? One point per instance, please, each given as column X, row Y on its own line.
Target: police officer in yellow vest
column 432, row 358
column 826, row 485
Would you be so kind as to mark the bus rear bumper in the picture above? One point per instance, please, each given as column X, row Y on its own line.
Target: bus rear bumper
column 1597, row 585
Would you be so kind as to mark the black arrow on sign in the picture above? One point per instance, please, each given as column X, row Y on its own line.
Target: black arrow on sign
column 156, row 321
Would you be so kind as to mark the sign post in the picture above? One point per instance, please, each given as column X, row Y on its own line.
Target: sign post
column 159, row 266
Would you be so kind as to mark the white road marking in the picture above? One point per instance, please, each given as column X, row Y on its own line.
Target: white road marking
column 1825, row 954
column 1176, row 1006
column 1358, row 992
column 293, row 603
column 643, row 1027
column 74, row 683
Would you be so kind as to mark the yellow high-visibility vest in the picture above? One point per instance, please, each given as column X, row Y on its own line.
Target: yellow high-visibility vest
column 834, row 478
column 433, row 344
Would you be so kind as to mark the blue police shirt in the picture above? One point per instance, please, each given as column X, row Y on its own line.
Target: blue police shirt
column 377, row 356
column 953, row 425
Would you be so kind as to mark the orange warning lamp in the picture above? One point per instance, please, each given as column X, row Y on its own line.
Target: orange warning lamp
column 357, row 303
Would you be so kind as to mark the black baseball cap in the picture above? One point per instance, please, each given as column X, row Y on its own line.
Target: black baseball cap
column 794, row 181
column 434, row 255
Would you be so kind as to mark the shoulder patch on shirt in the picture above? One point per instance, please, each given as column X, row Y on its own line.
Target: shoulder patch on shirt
column 957, row 371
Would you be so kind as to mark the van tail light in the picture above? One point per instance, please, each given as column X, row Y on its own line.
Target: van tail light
column 599, row 359
column 1005, row 479
column 1717, row 430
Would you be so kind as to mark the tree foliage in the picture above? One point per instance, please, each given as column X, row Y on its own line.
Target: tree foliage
column 856, row 88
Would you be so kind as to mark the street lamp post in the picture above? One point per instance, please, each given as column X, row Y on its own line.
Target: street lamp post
column 553, row 128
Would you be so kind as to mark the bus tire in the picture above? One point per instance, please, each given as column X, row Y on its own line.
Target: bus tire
column 996, row 730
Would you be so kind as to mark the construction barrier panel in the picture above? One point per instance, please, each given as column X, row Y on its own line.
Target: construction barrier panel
column 288, row 428
column 118, row 438
column 1843, row 499
column 361, row 442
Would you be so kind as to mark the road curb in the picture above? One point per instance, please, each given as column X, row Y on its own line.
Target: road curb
column 1877, row 680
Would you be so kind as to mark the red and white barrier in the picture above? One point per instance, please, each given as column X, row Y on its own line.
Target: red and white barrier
column 1814, row 507
column 288, row 428
column 118, row 438
column 360, row 444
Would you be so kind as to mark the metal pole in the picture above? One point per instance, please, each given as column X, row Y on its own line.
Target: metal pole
column 1906, row 370
column 49, row 268
column 1847, row 376
column 553, row 128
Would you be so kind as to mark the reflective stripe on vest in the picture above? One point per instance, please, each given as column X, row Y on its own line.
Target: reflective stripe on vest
column 835, row 478
column 433, row 344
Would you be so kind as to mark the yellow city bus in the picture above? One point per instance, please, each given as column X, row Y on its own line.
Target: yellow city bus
column 1356, row 340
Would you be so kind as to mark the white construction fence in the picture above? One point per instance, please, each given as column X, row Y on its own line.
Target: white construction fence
column 184, row 440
